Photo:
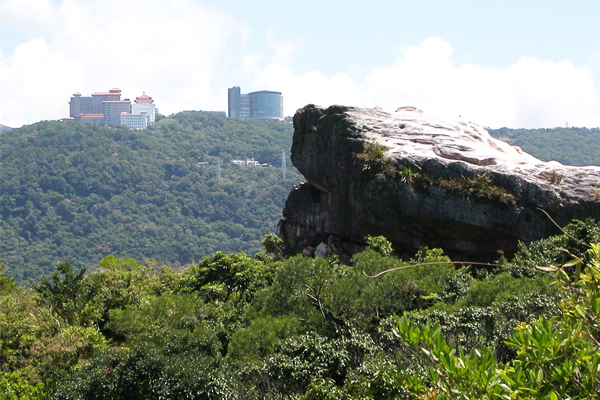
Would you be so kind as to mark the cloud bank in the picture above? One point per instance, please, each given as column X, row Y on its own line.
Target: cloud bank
column 179, row 52
column 171, row 50
column 529, row 94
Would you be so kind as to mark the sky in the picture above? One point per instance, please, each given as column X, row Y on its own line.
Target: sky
column 510, row 63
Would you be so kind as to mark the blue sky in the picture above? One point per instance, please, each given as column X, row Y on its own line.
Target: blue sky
column 512, row 63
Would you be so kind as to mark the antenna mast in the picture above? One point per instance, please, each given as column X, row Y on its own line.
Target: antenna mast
column 219, row 175
column 283, row 164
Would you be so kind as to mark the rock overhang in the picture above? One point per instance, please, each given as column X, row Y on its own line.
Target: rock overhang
column 327, row 148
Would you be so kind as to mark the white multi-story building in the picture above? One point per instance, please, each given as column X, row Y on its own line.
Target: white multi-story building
column 134, row 121
column 249, row 162
column 144, row 104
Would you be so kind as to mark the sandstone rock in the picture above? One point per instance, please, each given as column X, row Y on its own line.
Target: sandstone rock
column 307, row 251
column 423, row 182
column 322, row 250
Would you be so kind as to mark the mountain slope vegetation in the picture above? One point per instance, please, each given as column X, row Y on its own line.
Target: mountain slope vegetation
column 570, row 146
column 79, row 193
column 232, row 326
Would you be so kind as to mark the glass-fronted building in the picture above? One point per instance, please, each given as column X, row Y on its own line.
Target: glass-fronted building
column 266, row 105
column 234, row 102
column 263, row 104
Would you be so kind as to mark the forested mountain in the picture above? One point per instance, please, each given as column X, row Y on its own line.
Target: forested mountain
column 78, row 193
column 234, row 326
column 4, row 128
column 571, row 146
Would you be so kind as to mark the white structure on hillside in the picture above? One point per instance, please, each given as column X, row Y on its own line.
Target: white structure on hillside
column 249, row 162
column 144, row 104
column 134, row 121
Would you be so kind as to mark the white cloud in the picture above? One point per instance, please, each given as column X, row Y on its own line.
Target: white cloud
column 168, row 49
column 531, row 93
column 250, row 65
column 310, row 87
column 30, row 80
column 31, row 16
column 284, row 49
column 547, row 93
column 176, row 51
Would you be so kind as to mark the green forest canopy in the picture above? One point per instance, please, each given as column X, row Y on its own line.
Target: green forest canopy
column 570, row 146
column 234, row 326
column 79, row 193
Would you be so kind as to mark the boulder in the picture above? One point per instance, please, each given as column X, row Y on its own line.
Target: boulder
column 420, row 181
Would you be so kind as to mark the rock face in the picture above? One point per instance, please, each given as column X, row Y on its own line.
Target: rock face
column 423, row 182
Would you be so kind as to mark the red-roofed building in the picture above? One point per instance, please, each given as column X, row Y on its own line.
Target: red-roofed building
column 91, row 119
column 144, row 104
column 92, row 104
column 107, row 108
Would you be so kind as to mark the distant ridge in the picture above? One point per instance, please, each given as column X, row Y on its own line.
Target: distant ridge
column 570, row 146
column 4, row 128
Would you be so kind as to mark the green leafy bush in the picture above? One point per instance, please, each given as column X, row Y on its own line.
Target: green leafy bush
column 556, row 358
column 233, row 326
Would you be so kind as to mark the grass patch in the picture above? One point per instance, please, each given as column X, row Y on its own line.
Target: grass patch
column 374, row 162
column 376, row 165
column 480, row 187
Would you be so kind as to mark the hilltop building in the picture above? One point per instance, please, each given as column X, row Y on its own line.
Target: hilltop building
column 91, row 118
column 113, row 110
column 248, row 162
column 92, row 104
column 134, row 121
column 144, row 104
column 108, row 109
column 263, row 104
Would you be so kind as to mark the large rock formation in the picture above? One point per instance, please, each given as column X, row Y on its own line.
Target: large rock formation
column 423, row 182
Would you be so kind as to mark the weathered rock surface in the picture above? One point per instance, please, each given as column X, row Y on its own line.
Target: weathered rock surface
column 435, row 183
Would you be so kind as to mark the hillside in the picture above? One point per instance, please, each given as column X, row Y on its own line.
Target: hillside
column 4, row 128
column 571, row 146
column 76, row 192
column 79, row 193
